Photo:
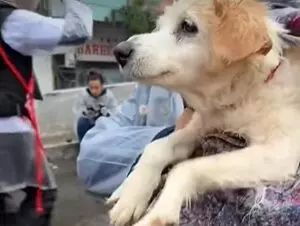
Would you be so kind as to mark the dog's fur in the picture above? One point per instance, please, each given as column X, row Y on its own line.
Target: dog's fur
column 220, row 69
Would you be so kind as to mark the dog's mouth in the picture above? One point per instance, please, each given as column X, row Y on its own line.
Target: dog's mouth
column 145, row 78
column 142, row 76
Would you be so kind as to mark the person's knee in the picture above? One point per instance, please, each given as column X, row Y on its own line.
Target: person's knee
column 83, row 125
column 83, row 122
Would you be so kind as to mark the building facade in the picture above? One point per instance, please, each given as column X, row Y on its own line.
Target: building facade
column 69, row 70
column 98, row 52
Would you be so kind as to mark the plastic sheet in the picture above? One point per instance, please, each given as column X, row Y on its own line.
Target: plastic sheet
column 78, row 23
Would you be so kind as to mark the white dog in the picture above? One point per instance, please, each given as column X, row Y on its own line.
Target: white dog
column 225, row 58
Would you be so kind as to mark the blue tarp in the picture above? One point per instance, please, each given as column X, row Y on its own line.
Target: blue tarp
column 109, row 150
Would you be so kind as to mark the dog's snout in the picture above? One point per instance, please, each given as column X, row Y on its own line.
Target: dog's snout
column 122, row 52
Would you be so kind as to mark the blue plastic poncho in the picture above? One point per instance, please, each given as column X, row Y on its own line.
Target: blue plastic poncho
column 109, row 150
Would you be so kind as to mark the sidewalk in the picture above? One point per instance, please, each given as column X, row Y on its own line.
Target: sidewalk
column 74, row 206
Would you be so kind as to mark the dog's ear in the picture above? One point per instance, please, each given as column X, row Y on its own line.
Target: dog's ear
column 241, row 30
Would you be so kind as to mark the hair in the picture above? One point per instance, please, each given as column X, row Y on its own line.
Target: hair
column 95, row 74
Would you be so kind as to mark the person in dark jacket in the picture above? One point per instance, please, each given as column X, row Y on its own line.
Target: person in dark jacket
column 23, row 166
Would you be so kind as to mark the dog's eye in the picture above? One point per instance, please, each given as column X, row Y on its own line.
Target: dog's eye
column 188, row 27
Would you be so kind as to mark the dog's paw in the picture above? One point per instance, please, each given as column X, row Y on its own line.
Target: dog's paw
column 158, row 219
column 126, row 211
column 166, row 211
column 156, row 222
column 115, row 196
column 112, row 200
column 134, row 197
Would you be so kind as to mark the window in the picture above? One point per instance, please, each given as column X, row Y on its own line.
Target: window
column 94, row 54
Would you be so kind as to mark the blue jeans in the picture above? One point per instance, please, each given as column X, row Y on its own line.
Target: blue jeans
column 83, row 125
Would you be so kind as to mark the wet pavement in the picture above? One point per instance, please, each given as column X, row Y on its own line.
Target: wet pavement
column 74, row 206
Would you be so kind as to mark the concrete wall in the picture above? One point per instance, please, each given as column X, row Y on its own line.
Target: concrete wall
column 55, row 112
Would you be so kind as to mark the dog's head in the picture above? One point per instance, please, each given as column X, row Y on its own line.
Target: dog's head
column 194, row 40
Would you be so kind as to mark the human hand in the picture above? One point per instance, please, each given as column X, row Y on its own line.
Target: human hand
column 143, row 110
column 89, row 112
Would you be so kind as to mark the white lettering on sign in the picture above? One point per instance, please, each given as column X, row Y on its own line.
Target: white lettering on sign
column 95, row 52
column 96, row 49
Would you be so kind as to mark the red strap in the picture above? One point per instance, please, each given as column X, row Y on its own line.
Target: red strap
column 29, row 88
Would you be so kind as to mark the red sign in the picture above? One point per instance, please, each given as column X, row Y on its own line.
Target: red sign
column 95, row 49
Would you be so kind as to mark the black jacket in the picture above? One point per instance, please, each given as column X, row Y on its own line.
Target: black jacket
column 12, row 93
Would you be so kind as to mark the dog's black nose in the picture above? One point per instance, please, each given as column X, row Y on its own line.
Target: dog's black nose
column 122, row 52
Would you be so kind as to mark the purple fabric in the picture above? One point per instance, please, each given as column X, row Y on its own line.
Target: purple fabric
column 287, row 13
column 239, row 207
column 273, row 205
column 294, row 26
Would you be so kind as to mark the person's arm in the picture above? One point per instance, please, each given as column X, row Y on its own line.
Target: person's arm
column 79, row 107
column 112, row 103
column 30, row 33
column 125, row 114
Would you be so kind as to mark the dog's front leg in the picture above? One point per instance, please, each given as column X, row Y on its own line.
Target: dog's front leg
column 142, row 182
column 245, row 168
